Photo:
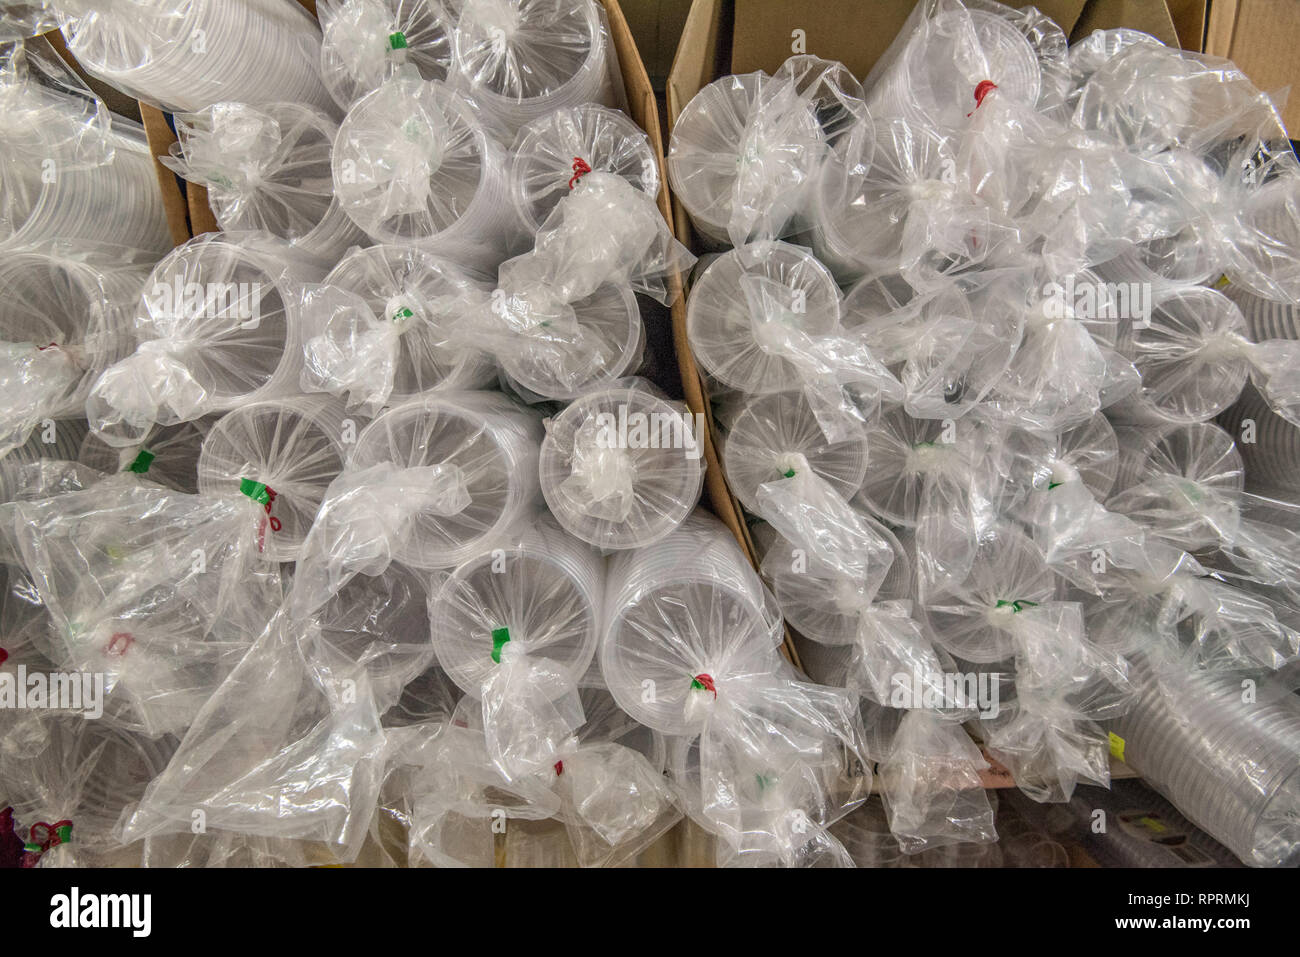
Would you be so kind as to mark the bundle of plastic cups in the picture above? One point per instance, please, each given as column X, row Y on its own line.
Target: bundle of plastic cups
column 267, row 169
column 186, row 56
column 415, row 164
column 621, row 466
column 367, row 42
column 220, row 325
column 521, row 59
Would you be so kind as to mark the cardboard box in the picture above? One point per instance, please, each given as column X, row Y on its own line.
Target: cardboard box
column 722, row 37
column 1261, row 37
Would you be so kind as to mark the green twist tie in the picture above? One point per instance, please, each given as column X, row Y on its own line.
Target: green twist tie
column 142, row 462
column 1018, row 605
column 789, row 473
column 765, row 781
column 1052, row 485
column 403, row 313
column 397, row 41
column 33, row 848
column 254, row 490
column 499, row 638
column 65, row 833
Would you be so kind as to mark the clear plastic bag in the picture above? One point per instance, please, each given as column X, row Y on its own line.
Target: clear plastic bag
column 367, row 42
column 622, row 486
column 267, row 169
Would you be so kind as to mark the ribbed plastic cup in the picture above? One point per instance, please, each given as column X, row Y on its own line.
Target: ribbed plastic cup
column 293, row 446
column 663, row 473
column 414, row 165
column 83, row 311
column 293, row 200
column 1266, row 261
column 184, row 55
column 721, row 329
column 932, row 82
column 1265, row 318
column 1191, row 370
column 521, row 59
column 254, row 359
column 688, row 605
column 491, row 440
column 365, row 42
column 769, row 434
column 395, row 279
column 56, row 199
column 902, row 451
column 972, row 619
column 544, row 164
column 609, row 343
column 1272, row 460
column 708, row 150
column 544, row 587
column 1233, row 768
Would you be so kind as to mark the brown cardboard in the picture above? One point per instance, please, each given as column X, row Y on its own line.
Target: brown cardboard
column 161, row 137
column 1189, row 18
column 1261, row 37
column 766, row 32
column 1149, row 16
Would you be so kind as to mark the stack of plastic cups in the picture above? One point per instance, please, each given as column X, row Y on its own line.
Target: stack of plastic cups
column 904, row 453
column 772, row 433
column 366, row 42
column 292, row 448
column 709, row 151
column 490, row 441
column 609, row 343
column 1189, row 355
column 613, row 490
column 1265, row 318
column 414, row 165
column 550, row 152
column 1267, row 260
column 185, row 56
column 242, row 343
column 521, row 59
column 57, row 197
column 68, row 437
column 866, row 836
column 396, row 280
column 68, row 309
column 930, row 82
column 168, row 456
column 287, row 188
column 540, row 592
column 722, row 330
column 1232, row 767
column 1272, row 460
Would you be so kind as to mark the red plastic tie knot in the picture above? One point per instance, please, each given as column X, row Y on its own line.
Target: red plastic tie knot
column 982, row 89
column 124, row 638
column 704, row 682
column 55, row 834
column 580, row 169
column 4, row 656
column 559, row 768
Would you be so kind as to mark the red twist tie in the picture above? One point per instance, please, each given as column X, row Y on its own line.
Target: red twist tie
column 4, row 656
column 127, row 641
column 705, row 683
column 559, row 768
column 52, row 836
column 580, row 169
column 982, row 89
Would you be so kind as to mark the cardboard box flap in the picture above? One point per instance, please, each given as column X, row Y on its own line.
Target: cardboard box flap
column 1261, row 37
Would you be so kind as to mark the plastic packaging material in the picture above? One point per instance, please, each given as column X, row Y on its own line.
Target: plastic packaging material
column 368, row 42
column 267, row 168
column 948, row 57
column 159, row 592
column 865, row 834
column 622, row 466
column 553, row 152
column 302, row 763
column 64, row 445
column 744, row 345
column 931, row 785
column 1229, row 766
column 746, row 150
column 63, row 320
column 1272, row 460
column 415, row 163
column 1262, row 241
column 521, row 59
column 767, row 761
column 430, row 483
column 68, row 793
column 778, row 436
column 1195, row 357
column 516, row 627
column 27, row 18
column 186, row 56
column 220, row 324
column 168, row 456
column 413, row 342
column 281, row 454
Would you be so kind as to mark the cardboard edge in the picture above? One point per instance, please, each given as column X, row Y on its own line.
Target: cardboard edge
column 161, row 136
